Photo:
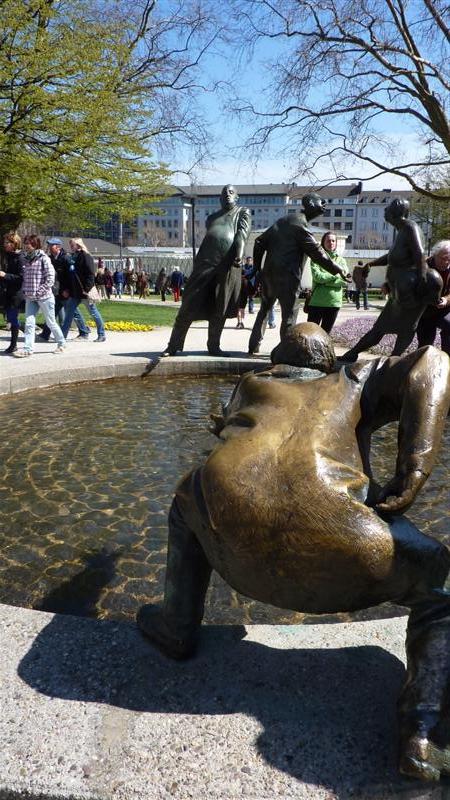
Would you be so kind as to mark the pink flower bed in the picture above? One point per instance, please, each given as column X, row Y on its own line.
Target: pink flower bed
column 350, row 331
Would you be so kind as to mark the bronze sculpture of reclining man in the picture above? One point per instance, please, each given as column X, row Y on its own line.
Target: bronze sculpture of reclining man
column 319, row 535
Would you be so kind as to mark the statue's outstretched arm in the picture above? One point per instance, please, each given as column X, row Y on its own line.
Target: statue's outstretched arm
column 415, row 389
column 309, row 246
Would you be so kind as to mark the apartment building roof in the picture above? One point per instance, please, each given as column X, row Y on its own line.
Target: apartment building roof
column 248, row 188
column 386, row 195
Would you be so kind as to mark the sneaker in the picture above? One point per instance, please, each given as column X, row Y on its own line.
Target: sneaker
column 272, row 325
column 82, row 336
column 41, row 338
column 100, row 339
column 59, row 349
column 22, row 353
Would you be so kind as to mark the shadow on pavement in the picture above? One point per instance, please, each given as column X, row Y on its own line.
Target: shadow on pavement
column 328, row 715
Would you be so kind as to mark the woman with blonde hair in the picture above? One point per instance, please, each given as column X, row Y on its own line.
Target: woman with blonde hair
column 81, row 279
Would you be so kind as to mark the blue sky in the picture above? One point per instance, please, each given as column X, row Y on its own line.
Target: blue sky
column 230, row 160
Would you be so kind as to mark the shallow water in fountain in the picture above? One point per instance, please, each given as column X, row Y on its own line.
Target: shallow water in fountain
column 87, row 474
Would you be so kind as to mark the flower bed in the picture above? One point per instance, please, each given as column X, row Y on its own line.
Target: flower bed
column 120, row 325
column 350, row 331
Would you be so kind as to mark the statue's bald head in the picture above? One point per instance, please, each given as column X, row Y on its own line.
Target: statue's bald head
column 306, row 345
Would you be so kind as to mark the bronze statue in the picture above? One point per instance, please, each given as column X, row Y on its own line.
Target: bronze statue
column 410, row 285
column 286, row 245
column 319, row 535
column 212, row 291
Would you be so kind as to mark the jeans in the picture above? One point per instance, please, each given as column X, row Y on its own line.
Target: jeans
column 60, row 314
column 357, row 296
column 47, row 307
column 12, row 316
column 72, row 305
column 119, row 289
column 271, row 316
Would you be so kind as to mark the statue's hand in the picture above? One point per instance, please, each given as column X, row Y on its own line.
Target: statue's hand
column 399, row 493
column 237, row 262
column 346, row 276
column 218, row 424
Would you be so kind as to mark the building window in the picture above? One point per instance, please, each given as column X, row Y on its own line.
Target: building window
column 349, row 212
column 338, row 212
column 337, row 226
column 327, row 212
column 348, row 226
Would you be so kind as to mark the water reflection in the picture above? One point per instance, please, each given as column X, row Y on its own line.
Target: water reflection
column 87, row 474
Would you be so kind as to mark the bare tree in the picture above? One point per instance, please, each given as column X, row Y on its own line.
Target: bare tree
column 357, row 82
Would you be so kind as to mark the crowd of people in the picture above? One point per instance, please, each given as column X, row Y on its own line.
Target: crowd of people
column 54, row 283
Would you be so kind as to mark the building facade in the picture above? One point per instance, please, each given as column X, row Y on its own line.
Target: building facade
column 354, row 214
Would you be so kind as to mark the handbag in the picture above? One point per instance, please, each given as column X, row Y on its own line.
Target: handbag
column 93, row 295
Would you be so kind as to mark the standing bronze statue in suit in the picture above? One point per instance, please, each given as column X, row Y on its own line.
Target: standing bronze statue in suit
column 286, row 246
column 410, row 284
column 212, row 291
column 320, row 536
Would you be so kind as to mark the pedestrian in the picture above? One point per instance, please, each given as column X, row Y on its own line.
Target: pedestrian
column 38, row 279
column 360, row 275
column 176, row 282
column 253, row 283
column 243, row 297
column 81, row 281
column 61, row 262
column 118, row 280
column 100, row 279
column 141, row 285
column 438, row 316
column 108, row 283
column 326, row 295
column 161, row 283
column 11, row 280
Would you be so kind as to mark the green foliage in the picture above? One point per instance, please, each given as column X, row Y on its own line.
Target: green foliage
column 76, row 110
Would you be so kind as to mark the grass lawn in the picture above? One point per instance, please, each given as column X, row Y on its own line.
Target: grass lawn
column 140, row 313
column 122, row 311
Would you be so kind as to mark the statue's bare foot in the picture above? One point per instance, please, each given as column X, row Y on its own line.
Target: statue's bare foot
column 423, row 759
column 151, row 622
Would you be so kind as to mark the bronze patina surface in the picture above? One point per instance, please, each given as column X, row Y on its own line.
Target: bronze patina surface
column 319, row 535
column 212, row 291
column 411, row 285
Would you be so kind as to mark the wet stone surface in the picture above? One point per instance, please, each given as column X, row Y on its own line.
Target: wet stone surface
column 87, row 474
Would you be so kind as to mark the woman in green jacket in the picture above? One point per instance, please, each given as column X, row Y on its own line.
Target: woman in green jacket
column 326, row 296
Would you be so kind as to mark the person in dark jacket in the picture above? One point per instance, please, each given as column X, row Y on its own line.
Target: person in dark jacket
column 11, row 281
column 119, row 280
column 176, row 282
column 286, row 245
column 80, row 280
column 61, row 264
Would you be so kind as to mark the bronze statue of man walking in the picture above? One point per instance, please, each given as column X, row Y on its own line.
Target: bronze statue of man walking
column 212, row 291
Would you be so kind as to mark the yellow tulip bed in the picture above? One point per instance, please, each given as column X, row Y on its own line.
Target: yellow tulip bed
column 120, row 325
